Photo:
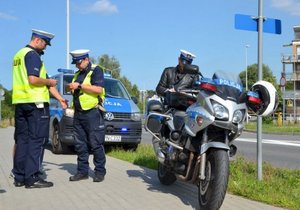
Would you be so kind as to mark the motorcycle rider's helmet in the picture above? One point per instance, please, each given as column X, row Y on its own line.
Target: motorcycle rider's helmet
column 262, row 98
column 186, row 57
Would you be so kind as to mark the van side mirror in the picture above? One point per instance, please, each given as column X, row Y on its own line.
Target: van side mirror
column 134, row 99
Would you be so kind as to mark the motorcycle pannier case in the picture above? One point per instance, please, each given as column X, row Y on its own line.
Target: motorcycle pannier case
column 154, row 122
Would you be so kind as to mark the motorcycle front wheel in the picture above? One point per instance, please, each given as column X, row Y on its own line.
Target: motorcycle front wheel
column 165, row 176
column 212, row 190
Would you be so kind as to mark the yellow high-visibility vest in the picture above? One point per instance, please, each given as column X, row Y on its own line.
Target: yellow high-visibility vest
column 23, row 91
column 89, row 100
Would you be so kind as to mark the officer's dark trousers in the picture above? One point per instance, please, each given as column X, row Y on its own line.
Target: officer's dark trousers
column 31, row 131
column 89, row 133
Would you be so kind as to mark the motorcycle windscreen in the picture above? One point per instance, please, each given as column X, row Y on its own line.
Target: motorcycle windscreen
column 229, row 85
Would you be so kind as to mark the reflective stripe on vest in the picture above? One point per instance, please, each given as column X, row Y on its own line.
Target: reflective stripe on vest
column 88, row 100
column 23, row 91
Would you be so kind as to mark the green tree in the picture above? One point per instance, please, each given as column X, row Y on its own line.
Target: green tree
column 150, row 93
column 110, row 65
column 7, row 109
column 267, row 75
column 289, row 85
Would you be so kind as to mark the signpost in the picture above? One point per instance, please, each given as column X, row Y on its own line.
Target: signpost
column 259, row 24
column 250, row 23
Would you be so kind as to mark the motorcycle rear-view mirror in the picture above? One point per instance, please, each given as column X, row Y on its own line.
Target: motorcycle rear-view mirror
column 191, row 69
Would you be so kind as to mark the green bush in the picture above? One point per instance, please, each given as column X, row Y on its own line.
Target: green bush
column 267, row 120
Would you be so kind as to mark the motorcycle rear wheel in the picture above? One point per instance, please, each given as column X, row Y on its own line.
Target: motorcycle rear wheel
column 212, row 190
column 165, row 176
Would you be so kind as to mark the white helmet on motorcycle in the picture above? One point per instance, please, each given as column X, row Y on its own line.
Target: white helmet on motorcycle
column 267, row 96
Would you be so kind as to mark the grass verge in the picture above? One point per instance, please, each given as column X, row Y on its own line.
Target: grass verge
column 270, row 128
column 279, row 187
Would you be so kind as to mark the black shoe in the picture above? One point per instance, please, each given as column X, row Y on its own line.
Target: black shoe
column 19, row 184
column 98, row 178
column 78, row 177
column 39, row 184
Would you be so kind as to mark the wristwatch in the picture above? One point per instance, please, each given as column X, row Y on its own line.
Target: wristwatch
column 79, row 86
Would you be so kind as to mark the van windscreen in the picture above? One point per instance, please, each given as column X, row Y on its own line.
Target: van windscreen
column 115, row 89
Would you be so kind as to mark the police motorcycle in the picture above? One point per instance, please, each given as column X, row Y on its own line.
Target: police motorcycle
column 193, row 134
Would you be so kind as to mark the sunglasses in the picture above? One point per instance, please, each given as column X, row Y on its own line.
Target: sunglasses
column 79, row 62
column 186, row 61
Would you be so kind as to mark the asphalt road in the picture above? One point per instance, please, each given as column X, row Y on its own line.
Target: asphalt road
column 279, row 150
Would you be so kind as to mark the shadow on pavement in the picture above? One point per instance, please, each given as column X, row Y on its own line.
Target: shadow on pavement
column 186, row 192
column 2, row 191
column 71, row 168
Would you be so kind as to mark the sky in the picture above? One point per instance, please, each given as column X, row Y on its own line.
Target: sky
column 146, row 36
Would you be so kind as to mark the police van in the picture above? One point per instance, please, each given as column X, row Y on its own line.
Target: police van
column 123, row 124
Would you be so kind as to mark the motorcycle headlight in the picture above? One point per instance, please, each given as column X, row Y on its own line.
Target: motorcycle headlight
column 237, row 116
column 136, row 116
column 220, row 111
column 69, row 112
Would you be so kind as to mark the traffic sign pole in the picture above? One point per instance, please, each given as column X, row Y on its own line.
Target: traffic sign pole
column 260, row 58
column 259, row 24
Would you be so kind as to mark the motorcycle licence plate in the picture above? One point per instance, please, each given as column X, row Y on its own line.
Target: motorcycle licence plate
column 111, row 138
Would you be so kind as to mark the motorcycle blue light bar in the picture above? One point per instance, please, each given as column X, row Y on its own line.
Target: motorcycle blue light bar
column 253, row 97
column 207, row 80
column 229, row 83
column 208, row 84
column 252, row 93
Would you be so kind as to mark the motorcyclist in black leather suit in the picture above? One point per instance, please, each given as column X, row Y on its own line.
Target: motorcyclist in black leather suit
column 173, row 79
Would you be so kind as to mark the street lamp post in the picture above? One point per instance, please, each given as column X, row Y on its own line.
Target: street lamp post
column 246, row 47
column 143, row 97
column 1, row 99
column 246, row 50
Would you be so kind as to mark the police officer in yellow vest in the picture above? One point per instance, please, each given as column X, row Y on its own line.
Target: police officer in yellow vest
column 30, row 95
column 88, row 93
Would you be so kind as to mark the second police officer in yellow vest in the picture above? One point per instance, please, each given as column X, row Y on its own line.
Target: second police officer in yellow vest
column 88, row 94
column 30, row 95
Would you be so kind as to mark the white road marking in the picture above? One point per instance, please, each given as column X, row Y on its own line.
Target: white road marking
column 269, row 141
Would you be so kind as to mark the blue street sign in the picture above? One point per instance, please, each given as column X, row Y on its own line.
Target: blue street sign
column 250, row 23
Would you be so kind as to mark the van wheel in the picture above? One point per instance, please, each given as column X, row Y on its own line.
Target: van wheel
column 57, row 147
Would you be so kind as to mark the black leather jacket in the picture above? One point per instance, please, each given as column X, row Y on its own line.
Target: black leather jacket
column 171, row 77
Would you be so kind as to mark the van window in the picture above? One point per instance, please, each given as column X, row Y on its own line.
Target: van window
column 115, row 89
column 67, row 80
